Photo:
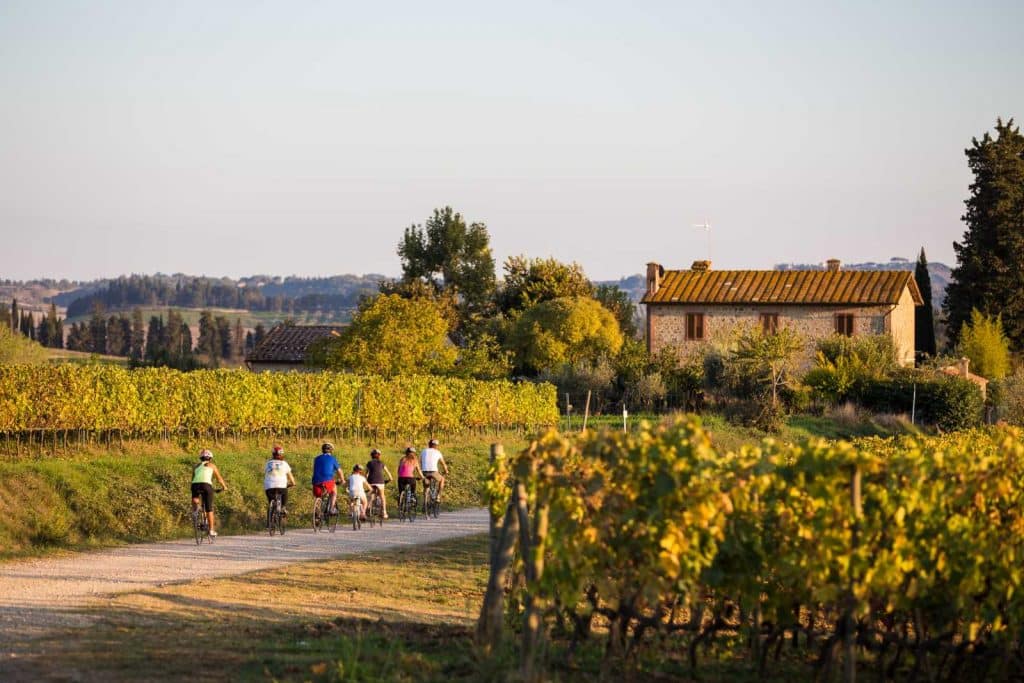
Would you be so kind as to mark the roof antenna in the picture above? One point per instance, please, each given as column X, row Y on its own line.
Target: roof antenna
column 706, row 226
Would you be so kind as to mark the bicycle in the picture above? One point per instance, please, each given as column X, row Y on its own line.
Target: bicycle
column 407, row 504
column 376, row 514
column 432, row 505
column 322, row 515
column 275, row 515
column 355, row 506
column 200, row 525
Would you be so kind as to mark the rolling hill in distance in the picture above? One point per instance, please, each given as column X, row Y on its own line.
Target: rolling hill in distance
column 269, row 298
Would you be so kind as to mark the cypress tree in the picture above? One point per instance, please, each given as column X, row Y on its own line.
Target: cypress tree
column 15, row 319
column 239, row 339
column 155, row 350
column 54, row 337
column 924, row 316
column 988, row 275
column 98, row 330
column 138, row 335
column 115, row 338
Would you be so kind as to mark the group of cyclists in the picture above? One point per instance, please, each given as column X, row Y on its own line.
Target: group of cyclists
column 327, row 475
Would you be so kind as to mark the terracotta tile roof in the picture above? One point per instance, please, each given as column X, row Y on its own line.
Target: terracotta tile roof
column 844, row 287
column 290, row 343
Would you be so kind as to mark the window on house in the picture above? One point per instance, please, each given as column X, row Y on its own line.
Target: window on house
column 770, row 323
column 844, row 324
column 694, row 326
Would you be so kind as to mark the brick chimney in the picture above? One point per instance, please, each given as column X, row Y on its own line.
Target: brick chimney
column 654, row 274
column 701, row 266
column 834, row 265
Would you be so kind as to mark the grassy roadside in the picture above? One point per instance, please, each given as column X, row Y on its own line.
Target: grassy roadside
column 401, row 615
column 406, row 614
column 98, row 498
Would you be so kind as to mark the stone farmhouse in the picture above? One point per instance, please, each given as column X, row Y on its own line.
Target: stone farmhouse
column 286, row 347
column 690, row 309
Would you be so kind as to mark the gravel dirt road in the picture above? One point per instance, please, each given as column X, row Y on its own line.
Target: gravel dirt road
column 43, row 594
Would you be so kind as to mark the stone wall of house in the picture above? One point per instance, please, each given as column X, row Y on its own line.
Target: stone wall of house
column 901, row 323
column 667, row 324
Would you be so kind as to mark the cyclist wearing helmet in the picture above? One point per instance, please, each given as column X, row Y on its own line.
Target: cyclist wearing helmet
column 430, row 460
column 326, row 471
column 202, row 485
column 408, row 471
column 357, row 487
column 277, row 477
column 378, row 475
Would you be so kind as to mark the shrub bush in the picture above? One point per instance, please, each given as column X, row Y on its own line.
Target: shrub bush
column 949, row 403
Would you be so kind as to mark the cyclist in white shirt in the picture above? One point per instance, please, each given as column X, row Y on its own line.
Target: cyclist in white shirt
column 430, row 460
column 277, row 477
column 358, row 487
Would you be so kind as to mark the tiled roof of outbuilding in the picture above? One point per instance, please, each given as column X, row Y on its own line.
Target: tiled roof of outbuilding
column 758, row 287
column 290, row 343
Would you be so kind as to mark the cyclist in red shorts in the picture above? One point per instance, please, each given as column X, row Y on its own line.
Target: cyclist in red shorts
column 327, row 471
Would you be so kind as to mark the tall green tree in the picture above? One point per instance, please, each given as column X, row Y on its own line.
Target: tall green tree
column 54, row 329
column 156, row 344
column 138, row 335
column 115, row 336
column 532, row 281
column 924, row 315
column 988, row 275
column 621, row 306
column 209, row 343
column 98, row 330
column 568, row 330
column 452, row 256
column 391, row 335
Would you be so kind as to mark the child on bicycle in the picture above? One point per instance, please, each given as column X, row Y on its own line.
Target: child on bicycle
column 326, row 471
column 202, row 485
column 378, row 475
column 277, row 477
column 408, row 472
column 358, row 487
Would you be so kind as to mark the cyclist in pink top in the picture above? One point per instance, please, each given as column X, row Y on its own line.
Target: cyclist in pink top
column 408, row 471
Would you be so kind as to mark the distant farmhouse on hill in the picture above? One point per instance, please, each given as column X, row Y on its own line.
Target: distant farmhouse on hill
column 286, row 347
column 689, row 309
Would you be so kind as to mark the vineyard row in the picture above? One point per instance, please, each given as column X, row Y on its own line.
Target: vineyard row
column 155, row 401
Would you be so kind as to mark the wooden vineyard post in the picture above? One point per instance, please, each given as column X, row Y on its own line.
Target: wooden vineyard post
column 586, row 411
column 492, row 613
column 497, row 451
column 850, row 626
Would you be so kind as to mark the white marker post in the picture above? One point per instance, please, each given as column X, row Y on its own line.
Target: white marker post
column 625, row 414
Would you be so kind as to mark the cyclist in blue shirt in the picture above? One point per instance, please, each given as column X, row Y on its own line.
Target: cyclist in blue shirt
column 326, row 471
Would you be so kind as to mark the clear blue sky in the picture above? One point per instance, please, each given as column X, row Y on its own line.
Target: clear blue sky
column 232, row 138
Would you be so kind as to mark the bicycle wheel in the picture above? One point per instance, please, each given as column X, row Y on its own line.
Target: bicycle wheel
column 433, row 507
column 411, row 511
column 403, row 500
column 318, row 511
column 377, row 512
column 270, row 518
column 354, row 509
column 197, row 525
column 332, row 519
column 280, row 518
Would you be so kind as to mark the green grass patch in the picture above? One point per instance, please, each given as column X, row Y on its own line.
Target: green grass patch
column 140, row 491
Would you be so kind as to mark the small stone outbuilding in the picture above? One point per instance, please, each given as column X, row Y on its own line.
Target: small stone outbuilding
column 689, row 309
column 286, row 347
